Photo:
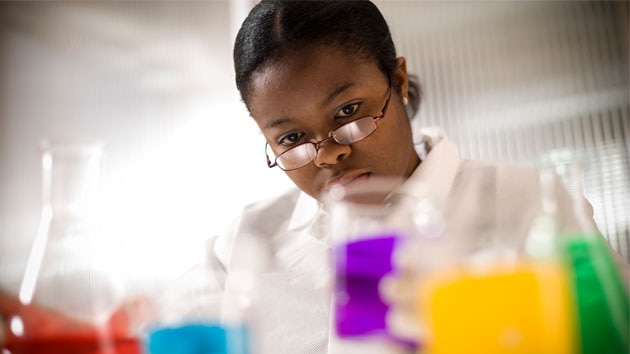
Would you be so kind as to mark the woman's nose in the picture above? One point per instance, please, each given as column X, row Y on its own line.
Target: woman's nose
column 329, row 153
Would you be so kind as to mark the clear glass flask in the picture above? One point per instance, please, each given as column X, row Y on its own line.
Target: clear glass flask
column 70, row 299
column 602, row 306
column 484, row 295
column 199, row 313
column 368, row 225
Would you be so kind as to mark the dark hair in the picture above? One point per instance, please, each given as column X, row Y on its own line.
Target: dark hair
column 274, row 27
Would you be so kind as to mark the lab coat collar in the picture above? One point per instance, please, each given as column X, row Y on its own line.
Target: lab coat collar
column 435, row 175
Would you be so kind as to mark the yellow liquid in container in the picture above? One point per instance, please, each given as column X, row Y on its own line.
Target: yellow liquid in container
column 518, row 308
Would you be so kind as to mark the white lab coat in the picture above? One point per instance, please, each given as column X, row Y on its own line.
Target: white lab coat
column 496, row 202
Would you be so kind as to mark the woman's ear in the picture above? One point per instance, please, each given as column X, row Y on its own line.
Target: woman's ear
column 400, row 80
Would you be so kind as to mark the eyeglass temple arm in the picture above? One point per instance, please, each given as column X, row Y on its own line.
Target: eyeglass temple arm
column 269, row 163
column 389, row 96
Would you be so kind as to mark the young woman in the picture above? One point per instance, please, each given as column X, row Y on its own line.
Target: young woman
column 323, row 81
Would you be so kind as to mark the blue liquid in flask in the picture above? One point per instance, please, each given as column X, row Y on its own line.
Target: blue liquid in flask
column 199, row 338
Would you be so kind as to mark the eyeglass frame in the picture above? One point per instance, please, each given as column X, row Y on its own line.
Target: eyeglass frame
column 331, row 136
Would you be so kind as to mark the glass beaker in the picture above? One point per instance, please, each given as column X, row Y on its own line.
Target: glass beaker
column 202, row 311
column 192, row 318
column 367, row 227
column 490, row 297
column 71, row 298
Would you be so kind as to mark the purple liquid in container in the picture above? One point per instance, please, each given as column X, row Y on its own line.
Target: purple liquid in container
column 359, row 267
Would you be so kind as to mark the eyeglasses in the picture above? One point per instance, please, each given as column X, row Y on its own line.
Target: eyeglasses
column 346, row 134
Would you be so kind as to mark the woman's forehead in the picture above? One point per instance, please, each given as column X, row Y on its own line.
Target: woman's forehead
column 312, row 73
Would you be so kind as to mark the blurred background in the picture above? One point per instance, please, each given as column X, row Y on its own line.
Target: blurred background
column 509, row 81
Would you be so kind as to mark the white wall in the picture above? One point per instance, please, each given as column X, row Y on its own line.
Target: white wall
column 154, row 80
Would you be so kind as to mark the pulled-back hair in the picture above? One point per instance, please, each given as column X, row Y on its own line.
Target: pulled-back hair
column 274, row 27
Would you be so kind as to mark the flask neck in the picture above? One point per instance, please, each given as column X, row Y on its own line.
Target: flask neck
column 71, row 178
column 573, row 179
column 568, row 166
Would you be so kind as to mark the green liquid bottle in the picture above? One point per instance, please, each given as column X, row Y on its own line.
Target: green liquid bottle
column 601, row 296
column 602, row 301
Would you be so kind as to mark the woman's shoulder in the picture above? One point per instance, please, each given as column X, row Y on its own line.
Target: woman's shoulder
column 503, row 175
column 262, row 218
column 502, row 196
column 514, row 191
column 276, row 207
column 265, row 216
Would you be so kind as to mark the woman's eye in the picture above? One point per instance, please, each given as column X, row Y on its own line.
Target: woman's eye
column 290, row 139
column 347, row 111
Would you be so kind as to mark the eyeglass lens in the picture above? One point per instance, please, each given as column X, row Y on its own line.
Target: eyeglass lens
column 346, row 134
column 354, row 131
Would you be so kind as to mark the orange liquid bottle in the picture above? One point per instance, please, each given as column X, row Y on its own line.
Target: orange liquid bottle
column 517, row 308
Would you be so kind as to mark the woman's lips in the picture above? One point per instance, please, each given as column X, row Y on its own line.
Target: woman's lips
column 347, row 178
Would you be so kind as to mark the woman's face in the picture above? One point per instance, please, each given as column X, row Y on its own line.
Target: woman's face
column 309, row 92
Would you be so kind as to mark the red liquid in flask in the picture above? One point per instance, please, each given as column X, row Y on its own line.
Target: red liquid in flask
column 76, row 345
column 42, row 331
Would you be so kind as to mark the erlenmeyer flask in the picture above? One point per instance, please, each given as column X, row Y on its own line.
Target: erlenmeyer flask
column 70, row 297
column 601, row 297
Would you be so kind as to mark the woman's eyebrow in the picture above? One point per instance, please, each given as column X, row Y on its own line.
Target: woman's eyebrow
column 336, row 92
column 275, row 122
